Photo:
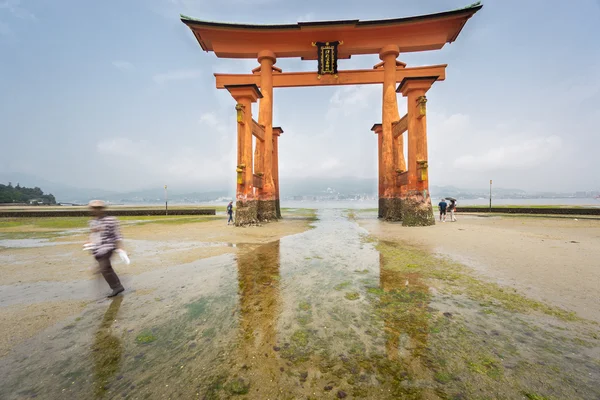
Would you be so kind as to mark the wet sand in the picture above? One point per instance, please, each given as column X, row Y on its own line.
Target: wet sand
column 550, row 259
column 149, row 246
column 21, row 322
column 45, row 280
column 337, row 311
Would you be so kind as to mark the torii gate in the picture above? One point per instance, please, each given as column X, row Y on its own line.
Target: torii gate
column 403, row 186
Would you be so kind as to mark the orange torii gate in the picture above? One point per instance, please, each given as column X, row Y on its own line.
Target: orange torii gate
column 403, row 184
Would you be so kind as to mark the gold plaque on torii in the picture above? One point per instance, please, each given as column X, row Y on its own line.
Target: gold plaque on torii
column 327, row 56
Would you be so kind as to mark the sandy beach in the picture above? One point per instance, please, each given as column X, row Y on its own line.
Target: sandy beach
column 54, row 256
column 330, row 302
column 549, row 259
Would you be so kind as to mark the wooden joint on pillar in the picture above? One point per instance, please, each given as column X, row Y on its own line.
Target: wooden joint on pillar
column 377, row 129
column 250, row 91
column 421, row 106
column 387, row 50
column 239, row 108
column 416, row 83
column 402, row 179
column 268, row 54
column 257, row 180
column 422, row 166
column 399, row 65
column 274, row 68
column 277, row 131
column 240, row 174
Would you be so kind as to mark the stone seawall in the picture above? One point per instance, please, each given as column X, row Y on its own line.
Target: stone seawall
column 530, row 210
column 116, row 213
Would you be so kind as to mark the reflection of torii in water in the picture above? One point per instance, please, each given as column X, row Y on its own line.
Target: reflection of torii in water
column 405, row 301
column 107, row 350
column 258, row 278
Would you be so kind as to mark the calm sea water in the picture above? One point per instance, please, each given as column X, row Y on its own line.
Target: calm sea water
column 362, row 204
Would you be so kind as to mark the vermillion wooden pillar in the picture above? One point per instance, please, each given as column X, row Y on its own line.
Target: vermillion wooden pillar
column 267, row 206
column 277, row 131
column 416, row 202
column 389, row 202
column 378, row 131
column 246, row 204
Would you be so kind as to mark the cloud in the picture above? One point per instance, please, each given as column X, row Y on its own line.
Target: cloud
column 210, row 119
column 5, row 31
column 122, row 147
column 348, row 100
column 330, row 164
column 14, row 7
column 123, row 65
column 306, row 17
column 177, row 75
column 188, row 164
column 523, row 154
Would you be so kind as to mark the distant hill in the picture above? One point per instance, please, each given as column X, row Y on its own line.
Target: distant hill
column 442, row 191
column 318, row 186
column 22, row 194
column 158, row 196
column 62, row 192
column 290, row 187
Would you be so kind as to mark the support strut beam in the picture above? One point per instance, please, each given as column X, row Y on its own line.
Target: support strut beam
column 401, row 126
column 351, row 77
column 258, row 131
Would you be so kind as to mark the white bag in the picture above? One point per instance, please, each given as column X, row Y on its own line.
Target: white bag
column 123, row 255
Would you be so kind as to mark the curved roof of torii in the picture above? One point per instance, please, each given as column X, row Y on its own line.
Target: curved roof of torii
column 419, row 33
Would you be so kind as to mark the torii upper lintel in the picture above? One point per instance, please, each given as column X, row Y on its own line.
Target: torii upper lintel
column 410, row 34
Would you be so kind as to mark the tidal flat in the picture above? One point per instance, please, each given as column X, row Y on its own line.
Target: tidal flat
column 322, row 308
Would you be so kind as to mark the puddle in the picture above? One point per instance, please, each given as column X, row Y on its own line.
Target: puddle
column 154, row 247
column 29, row 243
column 316, row 315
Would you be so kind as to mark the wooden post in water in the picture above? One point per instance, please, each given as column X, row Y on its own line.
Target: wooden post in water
column 490, row 195
column 166, row 202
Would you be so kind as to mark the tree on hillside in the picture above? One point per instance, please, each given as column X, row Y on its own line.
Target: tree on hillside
column 21, row 194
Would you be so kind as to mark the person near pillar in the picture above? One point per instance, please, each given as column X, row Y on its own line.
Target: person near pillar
column 452, row 209
column 443, row 206
column 105, row 239
column 230, row 212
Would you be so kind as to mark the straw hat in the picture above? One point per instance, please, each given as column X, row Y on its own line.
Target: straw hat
column 97, row 204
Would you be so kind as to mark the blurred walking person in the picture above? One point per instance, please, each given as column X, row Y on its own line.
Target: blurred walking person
column 105, row 239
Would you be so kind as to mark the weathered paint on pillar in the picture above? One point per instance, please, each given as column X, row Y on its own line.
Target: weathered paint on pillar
column 259, row 150
column 391, row 210
column 417, row 210
column 277, row 131
column 240, row 180
column 399, row 146
column 246, row 205
column 247, row 143
column 378, row 131
column 267, row 209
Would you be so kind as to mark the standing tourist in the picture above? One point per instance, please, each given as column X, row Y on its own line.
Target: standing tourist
column 105, row 239
column 452, row 209
column 443, row 205
column 230, row 212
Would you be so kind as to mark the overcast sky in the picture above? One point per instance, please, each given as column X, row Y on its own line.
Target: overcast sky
column 117, row 94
